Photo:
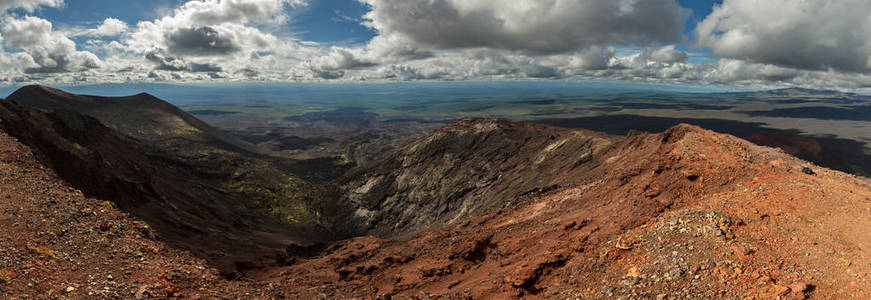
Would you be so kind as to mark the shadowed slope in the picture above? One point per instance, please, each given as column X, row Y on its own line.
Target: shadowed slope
column 55, row 243
column 197, row 189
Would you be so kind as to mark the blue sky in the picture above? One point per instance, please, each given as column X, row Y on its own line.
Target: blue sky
column 333, row 21
column 82, row 12
column 700, row 10
column 742, row 43
column 326, row 21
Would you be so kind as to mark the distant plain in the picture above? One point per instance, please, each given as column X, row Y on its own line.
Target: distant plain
column 355, row 121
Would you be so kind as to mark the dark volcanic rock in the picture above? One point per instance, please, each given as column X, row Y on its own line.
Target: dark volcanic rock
column 467, row 168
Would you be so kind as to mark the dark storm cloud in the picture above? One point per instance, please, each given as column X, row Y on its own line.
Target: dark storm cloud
column 333, row 66
column 170, row 63
column 63, row 63
column 546, row 26
column 200, row 41
column 248, row 72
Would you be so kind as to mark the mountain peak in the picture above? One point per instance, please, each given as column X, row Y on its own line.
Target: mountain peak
column 144, row 95
column 38, row 90
column 142, row 116
column 678, row 131
column 35, row 87
column 34, row 93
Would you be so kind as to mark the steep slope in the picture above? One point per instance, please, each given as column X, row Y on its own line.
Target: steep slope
column 203, row 197
column 467, row 168
column 685, row 213
column 57, row 244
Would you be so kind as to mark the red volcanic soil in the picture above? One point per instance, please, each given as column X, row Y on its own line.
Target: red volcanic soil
column 57, row 244
column 687, row 213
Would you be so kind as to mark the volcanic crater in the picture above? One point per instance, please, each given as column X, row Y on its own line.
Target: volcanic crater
column 133, row 198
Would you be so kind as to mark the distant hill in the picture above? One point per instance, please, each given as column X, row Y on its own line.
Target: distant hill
column 801, row 94
column 140, row 116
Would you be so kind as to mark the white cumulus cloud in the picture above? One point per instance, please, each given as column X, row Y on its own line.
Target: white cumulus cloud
column 808, row 43
column 109, row 27
column 28, row 5
column 45, row 51
column 806, row 34
column 212, row 28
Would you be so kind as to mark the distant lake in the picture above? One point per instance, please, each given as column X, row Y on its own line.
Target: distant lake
column 367, row 95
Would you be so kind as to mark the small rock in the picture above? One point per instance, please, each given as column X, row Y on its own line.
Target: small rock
column 630, row 281
column 608, row 291
column 778, row 163
column 808, row 171
column 742, row 250
column 633, row 272
column 780, row 290
column 454, row 283
column 652, row 192
column 674, row 273
column 70, row 289
column 799, row 287
column 623, row 245
column 140, row 292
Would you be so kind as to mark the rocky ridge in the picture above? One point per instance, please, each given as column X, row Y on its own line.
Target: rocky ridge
column 688, row 213
column 468, row 168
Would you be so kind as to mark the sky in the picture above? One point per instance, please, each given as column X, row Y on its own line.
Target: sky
column 824, row 44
